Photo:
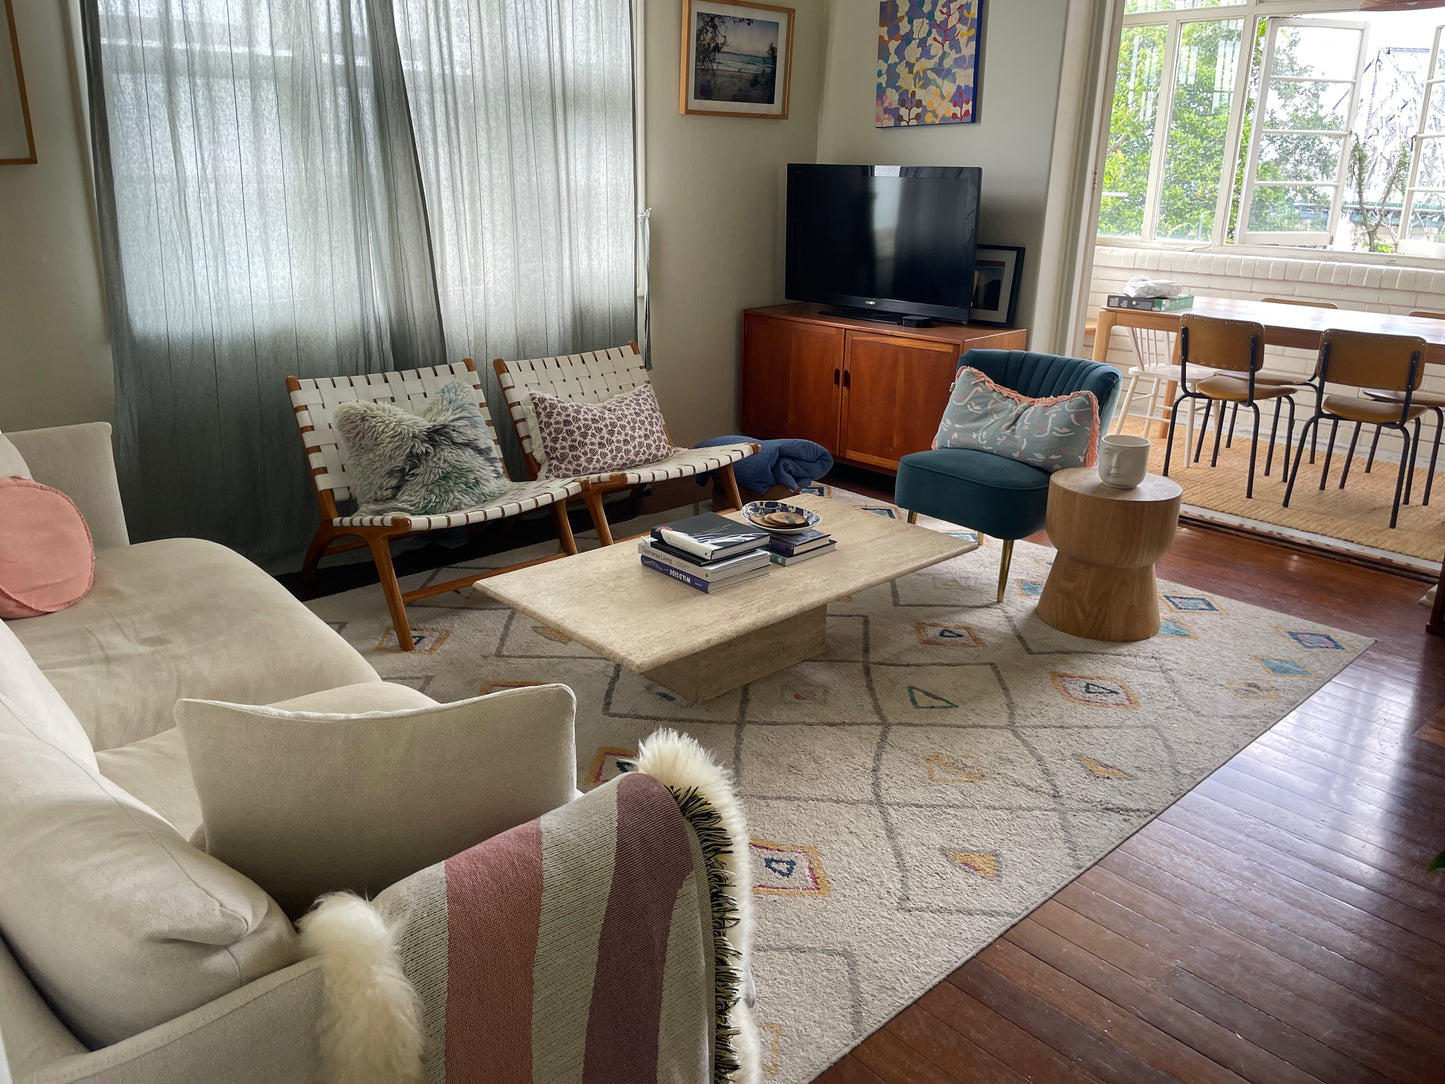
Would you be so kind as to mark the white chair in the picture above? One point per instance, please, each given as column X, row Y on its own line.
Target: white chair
column 313, row 402
column 592, row 377
column 1155, row 351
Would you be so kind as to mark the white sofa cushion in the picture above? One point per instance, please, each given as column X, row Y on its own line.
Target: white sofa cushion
column 30, row 694
column 117, row 920
column 156, row 770
column 12, row 463
column 182, row 617
column 307, row 802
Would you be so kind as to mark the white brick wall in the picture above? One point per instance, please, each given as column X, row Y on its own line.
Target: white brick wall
column 1373, row 287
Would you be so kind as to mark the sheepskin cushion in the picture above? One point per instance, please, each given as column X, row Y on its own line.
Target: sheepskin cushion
column 425, row 461
column 579, row 439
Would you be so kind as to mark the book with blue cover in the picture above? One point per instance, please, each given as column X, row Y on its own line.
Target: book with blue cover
column 802, row 542
column 697, row 583
column 712, row 570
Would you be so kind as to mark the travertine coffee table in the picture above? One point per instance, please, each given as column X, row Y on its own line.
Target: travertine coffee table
column 703, row 645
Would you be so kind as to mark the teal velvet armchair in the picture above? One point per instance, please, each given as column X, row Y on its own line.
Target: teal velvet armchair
column 989, row 493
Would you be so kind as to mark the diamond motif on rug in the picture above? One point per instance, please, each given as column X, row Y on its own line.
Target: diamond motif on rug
column 985, row 865
column 1192, row 604
column 787, row 869
column 1172, row 626
column 947, row 635
column 1101, row 770
column 1097, row 692
column 1313, row 641
column 609, row 764
column 1252, row 689
column 1284, row 667
column 955, row 769
column 1031, row 588
column 428, row 641
column 925, row 700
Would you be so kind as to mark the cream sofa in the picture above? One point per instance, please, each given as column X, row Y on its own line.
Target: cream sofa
column 165, row 619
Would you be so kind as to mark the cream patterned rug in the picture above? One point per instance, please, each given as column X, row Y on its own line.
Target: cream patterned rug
column 944, row 768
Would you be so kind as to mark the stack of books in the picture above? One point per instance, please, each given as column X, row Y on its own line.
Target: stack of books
column 1150, row 304
column 709, row 552
column 789, row 549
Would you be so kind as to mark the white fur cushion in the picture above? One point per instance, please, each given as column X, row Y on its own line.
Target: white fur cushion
column 307, row 802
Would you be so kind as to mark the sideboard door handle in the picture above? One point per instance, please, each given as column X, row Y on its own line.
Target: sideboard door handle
column 835, row 376
column 846, row 382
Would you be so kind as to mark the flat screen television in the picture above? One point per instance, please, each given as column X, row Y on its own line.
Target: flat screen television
column 893, row 241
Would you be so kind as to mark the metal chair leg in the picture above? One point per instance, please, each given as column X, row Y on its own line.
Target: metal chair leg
column 1203, row 430
column 1399, row 478
column 1004, row 560
column 1169, row 439
column 912, row 517
column 1414, row 447
column 1350, row 458
column 1273, row 432
column 1233, row 417
column 1218, row 432
column 1299, row 452
column 1253, row 448
column 1370, row 462
column 1329, row 451
column 1434, row 455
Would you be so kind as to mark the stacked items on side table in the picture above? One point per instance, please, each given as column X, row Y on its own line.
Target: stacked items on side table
column 709, row 553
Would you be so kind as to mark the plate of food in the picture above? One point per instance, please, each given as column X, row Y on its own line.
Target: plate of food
column 779, row 518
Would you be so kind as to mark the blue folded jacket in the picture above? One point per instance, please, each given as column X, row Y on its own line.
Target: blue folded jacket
column 791, row 462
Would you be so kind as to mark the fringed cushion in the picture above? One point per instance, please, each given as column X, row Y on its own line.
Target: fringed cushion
column 437, row 458
column 1051, row 433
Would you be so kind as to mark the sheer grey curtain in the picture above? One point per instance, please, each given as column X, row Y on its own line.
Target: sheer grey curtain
column 523, row 117
column 262, row 215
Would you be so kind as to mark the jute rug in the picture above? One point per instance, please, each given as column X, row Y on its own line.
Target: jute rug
column 944, row 768
column 1359, row 513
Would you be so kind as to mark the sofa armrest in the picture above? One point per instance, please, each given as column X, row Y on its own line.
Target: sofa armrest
column 264, row 1031
column 78, row 461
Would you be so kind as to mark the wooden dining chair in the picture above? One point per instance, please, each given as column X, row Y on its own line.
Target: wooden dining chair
column 1366, row 361
column 1431, row 401
column 313, row 401
column 1234, row 349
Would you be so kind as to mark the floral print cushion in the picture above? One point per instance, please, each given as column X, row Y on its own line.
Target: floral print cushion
column 1047, row 433
column 579, row 438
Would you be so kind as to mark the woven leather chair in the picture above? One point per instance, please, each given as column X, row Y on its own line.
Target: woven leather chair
column 594, row 377
column 313, row 401
column 990, row 493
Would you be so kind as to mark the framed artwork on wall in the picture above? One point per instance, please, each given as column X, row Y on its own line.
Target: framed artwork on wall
column 928, row 52
column 17, row 140
column 737, row 59
column 997, row 272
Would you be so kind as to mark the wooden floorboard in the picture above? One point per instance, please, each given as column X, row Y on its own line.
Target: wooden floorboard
column 1277, row 925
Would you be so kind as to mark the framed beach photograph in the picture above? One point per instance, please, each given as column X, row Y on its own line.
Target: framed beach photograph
column 17, row 140
column 737, row 59
column 997, row 272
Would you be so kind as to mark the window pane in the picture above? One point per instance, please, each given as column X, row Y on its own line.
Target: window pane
column 1131, row 132
column 1288, row 156
column 1290, row 209
column 1316, row 52
column 1308, row 105
column 1427, row 217
column 1435, row 120
column 1432, row 162
column 1194, row 155
column 1135, row 7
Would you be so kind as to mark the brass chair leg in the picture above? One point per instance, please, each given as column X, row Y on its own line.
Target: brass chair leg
column 912, row 517
column 1008, row 553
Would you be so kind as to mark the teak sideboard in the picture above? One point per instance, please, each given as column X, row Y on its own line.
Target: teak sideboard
column 869, row 392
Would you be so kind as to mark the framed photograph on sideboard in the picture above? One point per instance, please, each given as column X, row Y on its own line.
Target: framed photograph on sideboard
column 737, row 59
column 997, row 272
column 17, row 140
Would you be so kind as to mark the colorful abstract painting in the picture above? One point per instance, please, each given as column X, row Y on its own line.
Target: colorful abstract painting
column 927, row 62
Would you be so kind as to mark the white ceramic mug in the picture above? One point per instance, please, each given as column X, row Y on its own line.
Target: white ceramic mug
column 1123, row 460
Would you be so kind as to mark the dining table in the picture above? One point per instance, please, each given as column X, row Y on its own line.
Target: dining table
column 1298, row 326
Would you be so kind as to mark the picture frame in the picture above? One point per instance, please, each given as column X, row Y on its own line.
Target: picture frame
column 737, row 59
column 930, row 59
column 17, row 137
column 997, row 272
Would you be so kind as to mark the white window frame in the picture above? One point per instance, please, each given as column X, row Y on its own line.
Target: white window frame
column 1250, row 12
column 1435, row 78
column 1301, row 238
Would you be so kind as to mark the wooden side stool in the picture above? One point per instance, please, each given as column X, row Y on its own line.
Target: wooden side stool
column 1102, row 583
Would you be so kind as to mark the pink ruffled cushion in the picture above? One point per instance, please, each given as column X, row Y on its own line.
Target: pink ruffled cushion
column 593, row 438
column 1050, row 433
column 47, row 559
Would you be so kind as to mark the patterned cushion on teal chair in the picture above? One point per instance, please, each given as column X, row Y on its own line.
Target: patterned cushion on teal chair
column 1052, row 433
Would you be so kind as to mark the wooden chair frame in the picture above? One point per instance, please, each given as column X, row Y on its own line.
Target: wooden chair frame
column 593, row 377
column 312, row 400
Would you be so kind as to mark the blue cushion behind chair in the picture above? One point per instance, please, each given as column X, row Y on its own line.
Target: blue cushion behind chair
column 998, row 496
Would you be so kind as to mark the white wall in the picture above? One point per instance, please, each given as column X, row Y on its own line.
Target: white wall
column 1023, row 43
column 717, row 188
column 54, row 351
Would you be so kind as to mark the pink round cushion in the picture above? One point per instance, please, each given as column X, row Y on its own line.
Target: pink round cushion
column 47, row 560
